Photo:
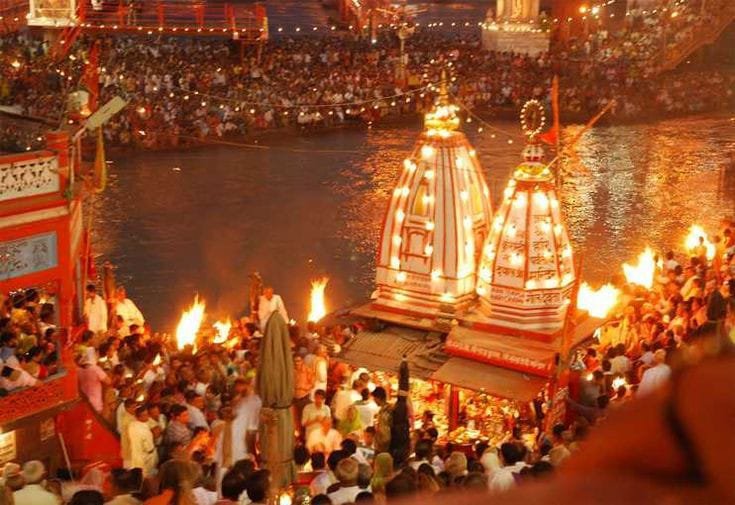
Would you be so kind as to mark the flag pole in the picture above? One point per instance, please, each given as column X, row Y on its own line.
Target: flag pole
column 557, row 129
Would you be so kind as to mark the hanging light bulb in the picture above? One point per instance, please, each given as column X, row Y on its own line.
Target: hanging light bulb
column 541, row 201
column 485, row 274
column 489, row 251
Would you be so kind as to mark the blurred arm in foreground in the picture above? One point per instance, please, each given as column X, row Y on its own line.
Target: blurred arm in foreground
column 673, row 446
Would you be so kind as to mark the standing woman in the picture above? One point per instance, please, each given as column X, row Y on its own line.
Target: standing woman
column 382, row 474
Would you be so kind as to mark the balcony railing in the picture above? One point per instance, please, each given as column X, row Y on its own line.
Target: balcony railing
column 29, row 174
column 176, row 16
column 702, row 34
column 56, row 391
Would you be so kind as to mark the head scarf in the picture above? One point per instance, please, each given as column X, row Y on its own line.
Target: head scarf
column 351, row 423
column 383, row 472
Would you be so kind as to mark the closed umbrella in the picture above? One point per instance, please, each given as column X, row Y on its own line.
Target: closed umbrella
column 275, row 386
column 400, row 442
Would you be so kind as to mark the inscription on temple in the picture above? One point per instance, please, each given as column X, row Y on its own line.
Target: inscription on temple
column 28, row 255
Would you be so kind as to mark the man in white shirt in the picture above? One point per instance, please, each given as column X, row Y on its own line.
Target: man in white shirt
column 125, row 419
column 620, row 364
column 504, row 478
column 655, row 377
column 33, row 492
column 195, row 404
column 326, row 439
column 268, row 304
column 346, row 473
column 15, row 378
column 156, row 422
column 95, row 310
column 314, row 413
column 246, row 423
column 125, row 308
column 343, row 399
column 143, row 453
column 367, row 409
column 324, row 476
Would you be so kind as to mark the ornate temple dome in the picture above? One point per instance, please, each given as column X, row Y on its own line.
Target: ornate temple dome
column 437, row 220
column 526, row 273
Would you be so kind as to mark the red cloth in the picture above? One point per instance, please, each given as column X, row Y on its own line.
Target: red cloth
column 91, row 77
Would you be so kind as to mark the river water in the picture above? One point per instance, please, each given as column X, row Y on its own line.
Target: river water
column 200, row 220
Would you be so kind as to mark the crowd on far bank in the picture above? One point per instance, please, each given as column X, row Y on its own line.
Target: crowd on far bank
column 186, row 89
column 188, row 419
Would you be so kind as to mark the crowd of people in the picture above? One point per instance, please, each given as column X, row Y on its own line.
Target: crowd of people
column 188, row 89
column 188, row 419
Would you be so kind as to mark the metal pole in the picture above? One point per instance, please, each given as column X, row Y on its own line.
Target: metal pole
column 66, row 456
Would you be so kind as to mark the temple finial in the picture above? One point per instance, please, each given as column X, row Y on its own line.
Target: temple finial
column 442, row 118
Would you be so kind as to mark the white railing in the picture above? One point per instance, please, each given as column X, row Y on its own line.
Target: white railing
column 31, row 176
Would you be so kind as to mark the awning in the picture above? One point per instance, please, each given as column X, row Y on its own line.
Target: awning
column 584, row 330
column 384, row 350
column 494, row 380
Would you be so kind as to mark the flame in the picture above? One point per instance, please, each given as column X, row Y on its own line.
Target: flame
column 223, row 331
column 191, row 320
column 617, row 382
column 157, row 360
column 598, row 303
column 318, row 307
column 643, row 273
column 692, row 241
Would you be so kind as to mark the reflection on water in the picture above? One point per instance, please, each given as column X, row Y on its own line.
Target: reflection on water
column 314, row 205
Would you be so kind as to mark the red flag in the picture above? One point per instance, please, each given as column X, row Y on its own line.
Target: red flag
column 548, row 137
column 91, row 77
column 551, row 136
